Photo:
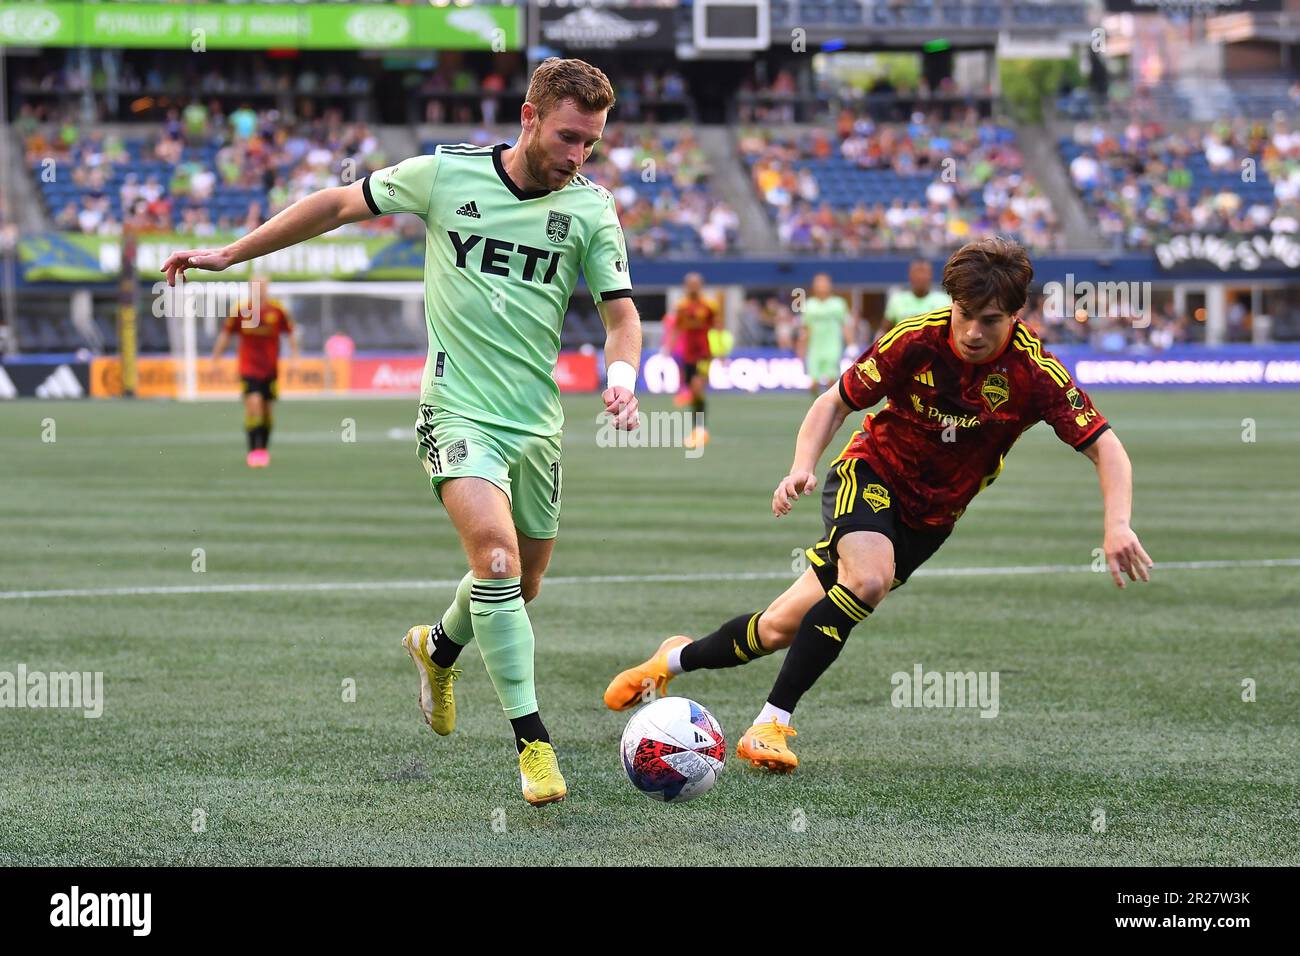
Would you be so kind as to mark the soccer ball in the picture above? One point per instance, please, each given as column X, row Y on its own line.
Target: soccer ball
column 673, row 750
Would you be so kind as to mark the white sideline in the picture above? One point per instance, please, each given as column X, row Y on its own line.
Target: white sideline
column 304, row 586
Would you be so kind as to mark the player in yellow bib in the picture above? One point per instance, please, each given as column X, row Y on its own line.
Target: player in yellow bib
column 508, row 228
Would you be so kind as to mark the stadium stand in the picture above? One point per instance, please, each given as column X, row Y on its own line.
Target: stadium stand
column 873, row 187
column 1146, row 182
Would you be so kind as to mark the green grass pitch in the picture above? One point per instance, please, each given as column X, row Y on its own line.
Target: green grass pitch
column 228, row 708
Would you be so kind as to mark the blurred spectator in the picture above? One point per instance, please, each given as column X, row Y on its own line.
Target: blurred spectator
column 1146, row 183
column 973, row 175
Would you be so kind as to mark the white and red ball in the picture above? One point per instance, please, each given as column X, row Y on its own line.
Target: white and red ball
column 673, row 750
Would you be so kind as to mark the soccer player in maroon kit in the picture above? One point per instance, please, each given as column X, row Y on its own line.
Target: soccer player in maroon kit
column 963, row 383
column 693, row 319
column 259, row 323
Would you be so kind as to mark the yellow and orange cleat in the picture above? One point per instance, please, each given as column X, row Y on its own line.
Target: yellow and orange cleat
column 698, row 438
column 628, row 688
column 764, row 746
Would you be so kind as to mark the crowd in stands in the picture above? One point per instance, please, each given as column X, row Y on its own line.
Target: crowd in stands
column 204, row 172
column 1146, row 182
column 768, row 103
column 237, row 73
column 660, row 181
column 946, row 183
column 1158, row 327
column 659, row 177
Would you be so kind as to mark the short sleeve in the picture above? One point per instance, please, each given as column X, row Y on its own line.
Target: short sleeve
column 1065, row 406
column 604, row 263
column 878, row 369
column 405, row 187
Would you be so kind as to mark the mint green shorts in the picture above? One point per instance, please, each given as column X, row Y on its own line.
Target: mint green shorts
column 823, row 365
column 526, row 467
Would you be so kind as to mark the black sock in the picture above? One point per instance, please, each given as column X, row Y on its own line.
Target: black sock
column 266, row 435
column 528, row 727
column 736, row 642
column 817, row 643
column 252, row 438
column 444, row 650
column 697, row 407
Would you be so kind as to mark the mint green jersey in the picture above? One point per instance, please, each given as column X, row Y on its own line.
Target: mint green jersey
column 500, row 265
column 905, row 304
column 825, row 319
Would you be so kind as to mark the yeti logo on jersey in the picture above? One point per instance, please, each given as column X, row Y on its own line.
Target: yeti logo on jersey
column 557, row 226
column 995, row 391
column 457, row 452
column 494, row 257
column 877, row 496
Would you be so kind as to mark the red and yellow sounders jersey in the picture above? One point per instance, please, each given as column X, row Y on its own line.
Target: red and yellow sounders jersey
column 694, row 319
column 942, row 436
column 259, row 337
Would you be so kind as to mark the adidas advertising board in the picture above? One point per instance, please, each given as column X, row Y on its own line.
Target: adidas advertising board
column 19, row 379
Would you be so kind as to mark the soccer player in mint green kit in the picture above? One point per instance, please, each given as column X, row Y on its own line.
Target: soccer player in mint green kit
column 917, row 299
column 827, row 331
column 508, row 229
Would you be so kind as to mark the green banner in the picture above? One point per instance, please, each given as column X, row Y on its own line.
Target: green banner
column 311, row 26
column 72, row 257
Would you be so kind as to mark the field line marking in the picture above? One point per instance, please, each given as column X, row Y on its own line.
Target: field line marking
column 288, row 587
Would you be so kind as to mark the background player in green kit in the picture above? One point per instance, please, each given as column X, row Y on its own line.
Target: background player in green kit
column 825, row 334
column 507, row 230
column 917, row 299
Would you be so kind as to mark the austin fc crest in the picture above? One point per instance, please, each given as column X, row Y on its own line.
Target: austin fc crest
column 995, row 391
column 557, row 227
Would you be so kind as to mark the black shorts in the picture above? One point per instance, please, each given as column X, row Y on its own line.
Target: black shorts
column 268, row 388
column 855, row 498
column 692, row 369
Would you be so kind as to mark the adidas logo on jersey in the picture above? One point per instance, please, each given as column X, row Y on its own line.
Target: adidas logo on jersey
column 469, row 209
column 62, row 383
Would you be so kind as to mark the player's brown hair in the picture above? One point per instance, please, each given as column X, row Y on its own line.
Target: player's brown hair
column 556, row 80
column 993, row 270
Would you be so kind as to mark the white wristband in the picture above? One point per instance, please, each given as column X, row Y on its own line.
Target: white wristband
column 621, row 375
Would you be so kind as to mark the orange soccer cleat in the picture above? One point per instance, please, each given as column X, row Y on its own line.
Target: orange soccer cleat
column 629, row 688
column 764, row 746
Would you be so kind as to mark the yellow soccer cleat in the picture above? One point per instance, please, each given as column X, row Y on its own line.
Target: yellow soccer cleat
column 539, row 773
column 629, row 688
column 437, row 702
column 764, row 746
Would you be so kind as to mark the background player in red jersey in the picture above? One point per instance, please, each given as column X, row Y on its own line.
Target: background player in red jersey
column 259, row 321
column 962, row 382
column 688, row 340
